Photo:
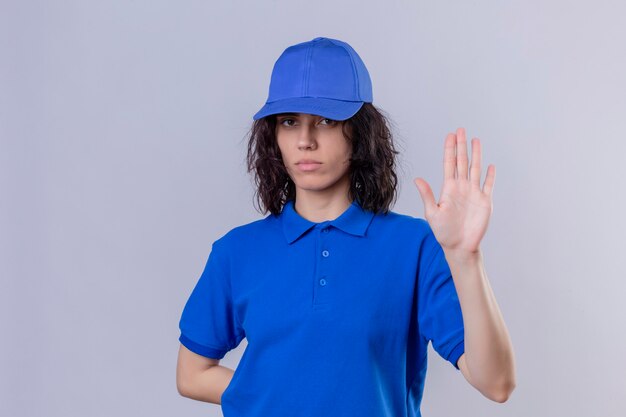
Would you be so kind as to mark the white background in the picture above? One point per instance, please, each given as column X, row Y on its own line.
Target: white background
column 122, row 128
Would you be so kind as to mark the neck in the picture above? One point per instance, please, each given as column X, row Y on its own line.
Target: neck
column 318, row 209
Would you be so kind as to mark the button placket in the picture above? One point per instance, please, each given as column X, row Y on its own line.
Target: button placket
column 323, row 282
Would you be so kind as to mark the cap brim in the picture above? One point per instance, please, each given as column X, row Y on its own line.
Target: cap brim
column 326, row 107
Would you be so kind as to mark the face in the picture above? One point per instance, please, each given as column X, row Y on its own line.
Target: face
column 307, row 136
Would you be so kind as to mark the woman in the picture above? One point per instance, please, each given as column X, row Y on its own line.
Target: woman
column 337, row 295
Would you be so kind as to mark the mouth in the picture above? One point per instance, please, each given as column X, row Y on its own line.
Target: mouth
column 308, row 161
column 308, row 166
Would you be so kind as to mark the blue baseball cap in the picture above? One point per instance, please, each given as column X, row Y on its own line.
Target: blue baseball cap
column 324, row 76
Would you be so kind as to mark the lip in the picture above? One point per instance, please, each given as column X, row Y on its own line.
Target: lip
column 308, row 161
column 308, row 166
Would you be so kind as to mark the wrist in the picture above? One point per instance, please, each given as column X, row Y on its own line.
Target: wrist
column 463, row 257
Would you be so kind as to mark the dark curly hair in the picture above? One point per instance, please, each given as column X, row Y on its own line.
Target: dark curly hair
column 373, row 180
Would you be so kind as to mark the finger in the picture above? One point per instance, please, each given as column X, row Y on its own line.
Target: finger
column 461, row 154
column 475, row 167
column 427, row 195
column 449, row 157
column 490, row 180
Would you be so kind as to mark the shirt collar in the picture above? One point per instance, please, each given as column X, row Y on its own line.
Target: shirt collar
column 353, row 220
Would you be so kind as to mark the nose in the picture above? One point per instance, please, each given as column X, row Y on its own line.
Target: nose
column 306, row 137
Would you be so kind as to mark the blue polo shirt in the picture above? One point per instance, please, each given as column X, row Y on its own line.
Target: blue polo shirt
column 338, row 315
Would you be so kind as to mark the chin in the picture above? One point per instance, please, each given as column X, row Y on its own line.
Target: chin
column 314, row 185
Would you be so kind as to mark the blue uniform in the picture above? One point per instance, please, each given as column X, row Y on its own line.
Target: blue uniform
column 338, row 314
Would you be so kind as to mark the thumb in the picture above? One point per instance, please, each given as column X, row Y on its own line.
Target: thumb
column 427, row 195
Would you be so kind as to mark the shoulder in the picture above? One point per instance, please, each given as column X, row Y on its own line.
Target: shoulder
column 248, row 234
column 400, row 224
column 398, row 231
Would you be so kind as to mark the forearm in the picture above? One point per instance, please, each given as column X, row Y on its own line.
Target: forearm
column 208, row 385
column 489, row 351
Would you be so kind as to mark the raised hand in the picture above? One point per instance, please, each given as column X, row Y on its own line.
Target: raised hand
column 459, row 221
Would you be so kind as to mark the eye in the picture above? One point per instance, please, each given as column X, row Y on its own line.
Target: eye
column 332, row 122
column 285, row 120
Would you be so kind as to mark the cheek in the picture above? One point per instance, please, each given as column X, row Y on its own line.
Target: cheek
column 347, row 154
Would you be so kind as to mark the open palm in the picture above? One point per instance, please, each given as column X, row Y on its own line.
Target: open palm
column 459, row 221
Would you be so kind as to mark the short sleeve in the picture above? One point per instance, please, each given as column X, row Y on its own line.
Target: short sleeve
column 208, row 325
column 439, row 311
